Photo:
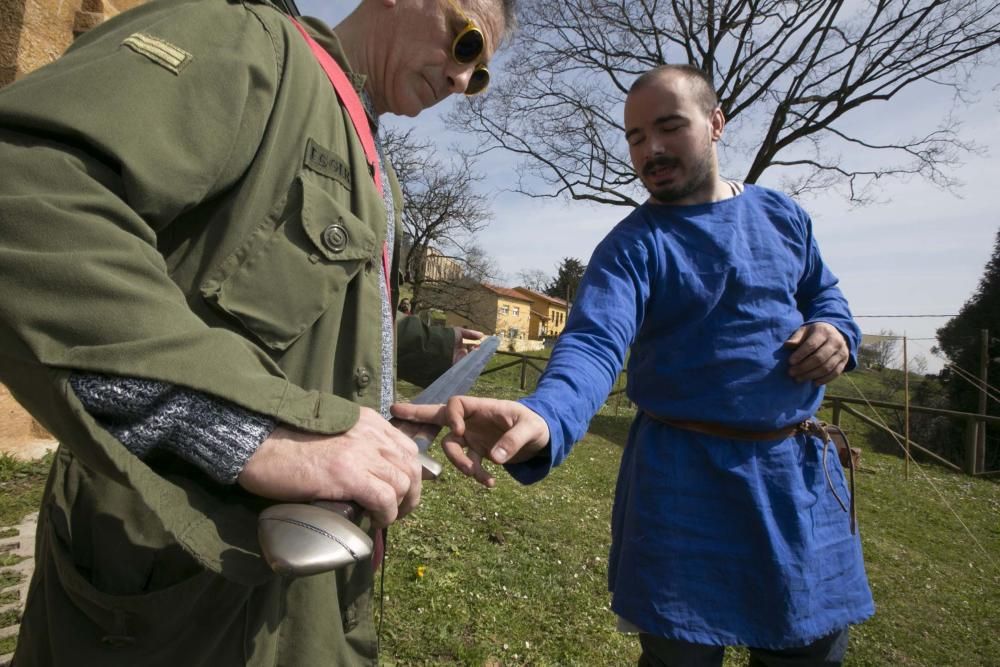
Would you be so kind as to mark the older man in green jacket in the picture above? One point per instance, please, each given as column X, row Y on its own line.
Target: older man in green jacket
column 194, row 257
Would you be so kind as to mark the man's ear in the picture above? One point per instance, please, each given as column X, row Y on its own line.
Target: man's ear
column 718, row 121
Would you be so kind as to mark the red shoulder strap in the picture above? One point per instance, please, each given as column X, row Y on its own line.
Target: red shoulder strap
column 349, row 97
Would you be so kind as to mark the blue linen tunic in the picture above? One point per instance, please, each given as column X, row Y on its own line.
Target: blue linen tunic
column 714, row 541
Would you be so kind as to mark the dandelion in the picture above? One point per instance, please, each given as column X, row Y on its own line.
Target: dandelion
column 420, row 571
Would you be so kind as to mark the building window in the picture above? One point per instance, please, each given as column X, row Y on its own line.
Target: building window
column 504, row 309
column 513, row 333
column 517, row 311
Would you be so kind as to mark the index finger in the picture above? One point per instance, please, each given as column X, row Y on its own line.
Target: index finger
column 424, row 414
column 810, row 343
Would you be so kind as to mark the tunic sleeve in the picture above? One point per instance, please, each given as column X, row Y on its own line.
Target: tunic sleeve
column 602, row 324
column 819, row 298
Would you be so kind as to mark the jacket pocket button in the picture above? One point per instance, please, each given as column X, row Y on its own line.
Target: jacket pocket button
column 335, row 237
column 362, row 378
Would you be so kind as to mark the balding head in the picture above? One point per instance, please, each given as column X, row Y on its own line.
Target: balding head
column 700, row 82
column 672, row 123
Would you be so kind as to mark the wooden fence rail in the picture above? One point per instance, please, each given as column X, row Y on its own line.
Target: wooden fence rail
column 524, row 360
column 974, row 454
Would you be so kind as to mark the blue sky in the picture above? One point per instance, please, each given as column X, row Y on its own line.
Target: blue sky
column 921, row 252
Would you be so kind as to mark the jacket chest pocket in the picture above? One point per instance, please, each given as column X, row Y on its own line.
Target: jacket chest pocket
column 294, row 267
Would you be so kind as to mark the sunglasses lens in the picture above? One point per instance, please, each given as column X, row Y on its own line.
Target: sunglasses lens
column 477, row 84
column 468, row 46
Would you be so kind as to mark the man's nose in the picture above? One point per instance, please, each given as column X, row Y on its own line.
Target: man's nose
column 459, row 77
column 655, row 146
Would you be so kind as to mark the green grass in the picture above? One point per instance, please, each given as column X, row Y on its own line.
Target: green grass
column 517, row 575
column 21, row 485
column 510, row 576
column 8, row 579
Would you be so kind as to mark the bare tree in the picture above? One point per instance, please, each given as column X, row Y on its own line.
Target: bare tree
column 442, row 211
column 464, row 296
column 789, row 74
column 533, row 279
column 879, row 351
column 918, row 365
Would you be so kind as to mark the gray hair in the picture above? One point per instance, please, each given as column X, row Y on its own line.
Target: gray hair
column 509, row 15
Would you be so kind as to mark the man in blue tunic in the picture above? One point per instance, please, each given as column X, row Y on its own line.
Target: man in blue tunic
column 727, row 526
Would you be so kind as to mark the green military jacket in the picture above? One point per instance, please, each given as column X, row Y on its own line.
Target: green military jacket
column 183, row 199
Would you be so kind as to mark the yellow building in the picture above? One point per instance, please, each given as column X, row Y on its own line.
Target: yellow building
column 497, row 311
column 438, row 267
column 548, row 314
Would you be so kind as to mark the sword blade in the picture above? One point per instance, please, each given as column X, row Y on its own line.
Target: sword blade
column 456, row 381
column 459, row 378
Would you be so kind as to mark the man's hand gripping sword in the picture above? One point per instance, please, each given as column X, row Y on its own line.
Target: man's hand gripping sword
column 301, row 539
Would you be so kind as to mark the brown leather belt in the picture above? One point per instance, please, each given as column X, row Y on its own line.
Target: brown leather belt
column 719, row 430
column 825, row 432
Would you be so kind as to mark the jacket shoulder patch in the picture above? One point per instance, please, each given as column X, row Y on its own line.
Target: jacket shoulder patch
column 163, row 53
column 327, row 163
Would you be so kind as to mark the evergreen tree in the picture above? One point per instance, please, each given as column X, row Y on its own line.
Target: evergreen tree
column 961, row 341
column 567, row 279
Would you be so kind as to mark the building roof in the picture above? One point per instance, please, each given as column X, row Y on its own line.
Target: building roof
column 506, row 292
column 538, row 295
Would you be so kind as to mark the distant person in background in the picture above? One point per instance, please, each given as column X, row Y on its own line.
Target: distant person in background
column 404, row 306
column 728, row 526
column 198, row 258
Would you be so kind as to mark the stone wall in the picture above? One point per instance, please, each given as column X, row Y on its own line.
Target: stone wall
column 36, row 32
column 33, row 33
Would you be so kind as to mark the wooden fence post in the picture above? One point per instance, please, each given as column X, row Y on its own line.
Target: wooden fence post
column 971, row 446
column 906, row 410
column 836, row 412
column 984, row 364
column 524, row 372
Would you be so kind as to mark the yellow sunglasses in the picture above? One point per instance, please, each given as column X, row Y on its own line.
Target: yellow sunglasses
column 467, row 47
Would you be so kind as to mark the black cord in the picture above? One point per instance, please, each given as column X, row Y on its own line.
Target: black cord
column 381, row 591
column 289, row 7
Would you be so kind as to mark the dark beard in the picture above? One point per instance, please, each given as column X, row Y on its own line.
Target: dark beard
column 702, row 172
